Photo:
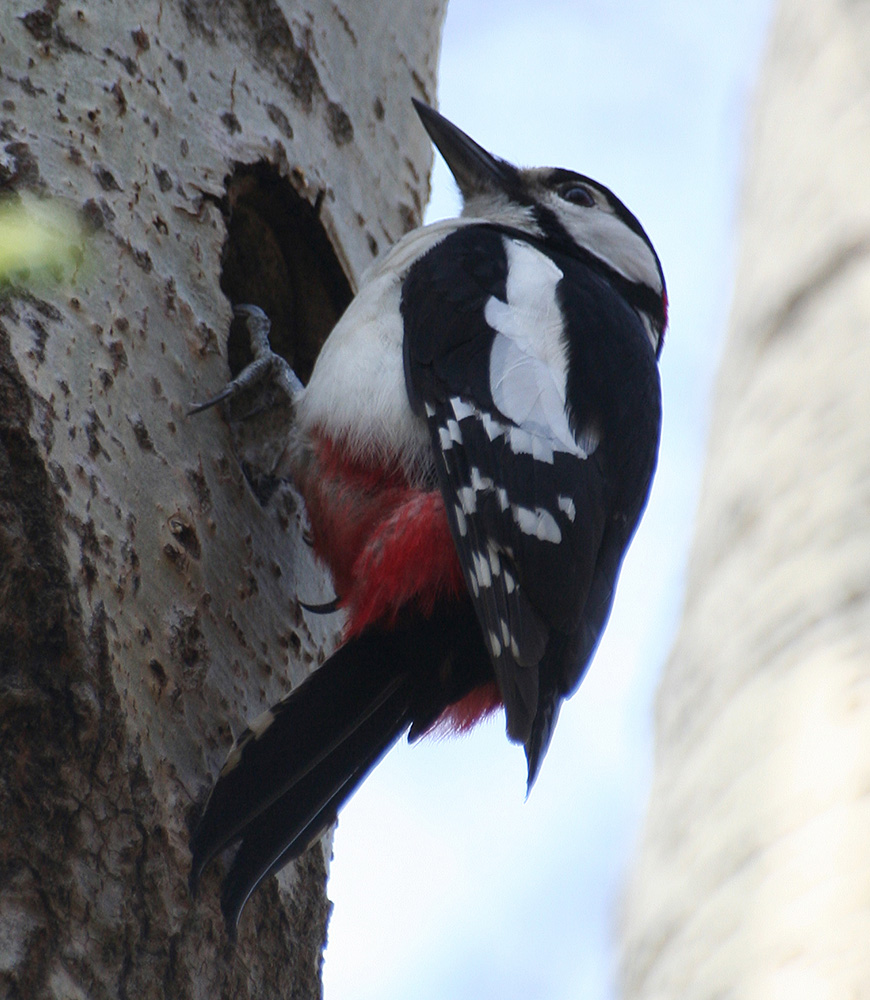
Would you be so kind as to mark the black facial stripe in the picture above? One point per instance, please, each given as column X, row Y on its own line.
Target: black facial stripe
column 558, row 177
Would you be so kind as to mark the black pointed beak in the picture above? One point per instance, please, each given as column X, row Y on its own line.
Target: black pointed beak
column 475, row 170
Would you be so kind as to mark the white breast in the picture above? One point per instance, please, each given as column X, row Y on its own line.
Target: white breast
column 357, row 390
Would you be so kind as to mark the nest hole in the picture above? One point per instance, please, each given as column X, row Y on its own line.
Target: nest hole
column 278, row 256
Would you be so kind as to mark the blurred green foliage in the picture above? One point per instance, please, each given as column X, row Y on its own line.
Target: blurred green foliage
column 39, row 240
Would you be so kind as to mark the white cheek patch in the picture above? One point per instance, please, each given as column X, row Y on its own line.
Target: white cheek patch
column 528, row 361
column 607, row 237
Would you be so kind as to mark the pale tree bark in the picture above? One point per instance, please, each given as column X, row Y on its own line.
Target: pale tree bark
column 252, row 150
column 753, row 879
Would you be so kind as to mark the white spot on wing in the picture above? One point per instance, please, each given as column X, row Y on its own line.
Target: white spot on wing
column 520, row 441
column 461, row 523
column 494, row 644
column 478, row 482
column 505, row 632
column 493, row 428
column 539, row 523
column 467, row 499
column 542, row 449
column 461, row 408
column 567, row 506
column 481, row 569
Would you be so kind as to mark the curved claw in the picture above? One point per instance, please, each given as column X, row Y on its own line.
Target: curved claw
column 322, row 609
column 266, row 362
column 229, row 389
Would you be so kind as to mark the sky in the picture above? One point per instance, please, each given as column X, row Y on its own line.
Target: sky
column 446, row 882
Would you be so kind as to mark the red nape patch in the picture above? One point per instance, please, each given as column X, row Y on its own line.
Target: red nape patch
column 465, row 714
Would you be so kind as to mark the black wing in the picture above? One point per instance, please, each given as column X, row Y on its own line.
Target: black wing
column 529, row 458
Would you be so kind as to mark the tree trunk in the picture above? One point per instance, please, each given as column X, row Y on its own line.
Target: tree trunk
column 754, row 872
column 255, row 151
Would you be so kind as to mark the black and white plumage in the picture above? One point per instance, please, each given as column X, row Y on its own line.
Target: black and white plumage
column 475, row 448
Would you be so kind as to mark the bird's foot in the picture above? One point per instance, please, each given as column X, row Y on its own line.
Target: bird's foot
column 259, row 408
column 267, row 366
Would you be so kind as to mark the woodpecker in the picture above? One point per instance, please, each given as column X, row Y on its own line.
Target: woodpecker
column 475, row 448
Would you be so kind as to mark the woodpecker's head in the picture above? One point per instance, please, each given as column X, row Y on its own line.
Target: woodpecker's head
column 566, row 211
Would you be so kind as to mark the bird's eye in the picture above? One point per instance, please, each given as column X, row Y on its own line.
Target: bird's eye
column 578, row 194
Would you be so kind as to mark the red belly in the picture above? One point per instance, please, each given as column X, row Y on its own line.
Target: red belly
column 387, row 543
column 388, row 546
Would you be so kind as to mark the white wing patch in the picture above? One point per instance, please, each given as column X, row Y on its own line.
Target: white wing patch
column 528, row 361
column 537, row 522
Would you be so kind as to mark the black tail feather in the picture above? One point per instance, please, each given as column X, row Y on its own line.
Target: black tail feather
column 293, row 769
column 291, row 741
column 296, row 820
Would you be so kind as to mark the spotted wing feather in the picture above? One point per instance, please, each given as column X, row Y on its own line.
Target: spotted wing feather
column 485, row 364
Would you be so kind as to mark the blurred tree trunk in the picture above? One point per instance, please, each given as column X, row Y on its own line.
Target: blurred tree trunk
column 753, row 879
column 253, row 150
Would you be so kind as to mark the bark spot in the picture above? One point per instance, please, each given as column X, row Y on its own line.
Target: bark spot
column 117, row 91
column 304, row 81
column 96, row 214
column 143, row 42
column 40, row 22
column 199, row 484
column 339, row 124
column 231, row 123
column 159, row 675
column 277, row 117
column 105, row 178
column 22, row 167
column 164, row 179
column 140, row 431
column 186, row 534
column 187, row 644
